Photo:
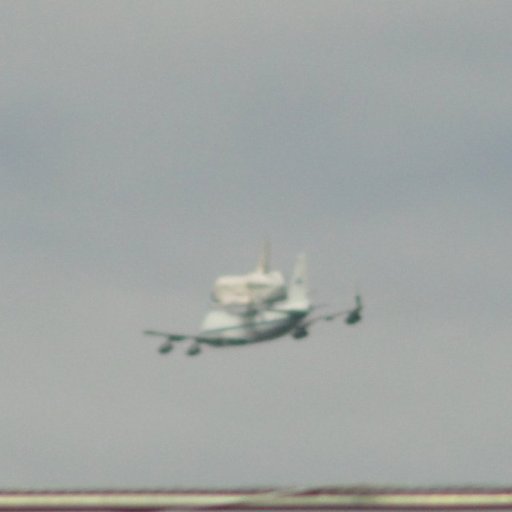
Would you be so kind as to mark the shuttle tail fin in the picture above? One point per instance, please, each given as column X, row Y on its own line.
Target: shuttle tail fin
column 263, row 266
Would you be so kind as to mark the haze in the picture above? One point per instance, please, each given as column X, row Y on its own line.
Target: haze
column 148, row 147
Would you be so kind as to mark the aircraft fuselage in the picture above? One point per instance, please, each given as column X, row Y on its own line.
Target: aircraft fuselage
column 222, row 328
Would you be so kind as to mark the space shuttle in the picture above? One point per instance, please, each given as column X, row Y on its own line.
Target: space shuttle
column 259, row 288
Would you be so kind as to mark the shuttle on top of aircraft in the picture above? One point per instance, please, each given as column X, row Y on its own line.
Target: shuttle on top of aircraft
column 269, row 315
column 256, row 289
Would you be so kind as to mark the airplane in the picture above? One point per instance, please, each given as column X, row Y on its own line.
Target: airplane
column 263, row 322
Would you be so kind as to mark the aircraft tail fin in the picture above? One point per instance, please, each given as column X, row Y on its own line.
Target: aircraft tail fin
column 298, row 288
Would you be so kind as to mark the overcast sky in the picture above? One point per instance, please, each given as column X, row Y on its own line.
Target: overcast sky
column 148, row 147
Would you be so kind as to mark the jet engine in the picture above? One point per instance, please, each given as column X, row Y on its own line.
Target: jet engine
column 300, row 332
column 166, row 347
column 354, row 315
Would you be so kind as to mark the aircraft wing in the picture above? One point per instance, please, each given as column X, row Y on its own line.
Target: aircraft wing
column 170, row 336
column 351, row 316
column 330, row 316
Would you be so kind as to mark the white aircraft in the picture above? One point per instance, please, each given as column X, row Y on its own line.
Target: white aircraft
column 292, row 315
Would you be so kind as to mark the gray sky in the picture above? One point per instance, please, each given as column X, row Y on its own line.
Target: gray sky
column 147, row 147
